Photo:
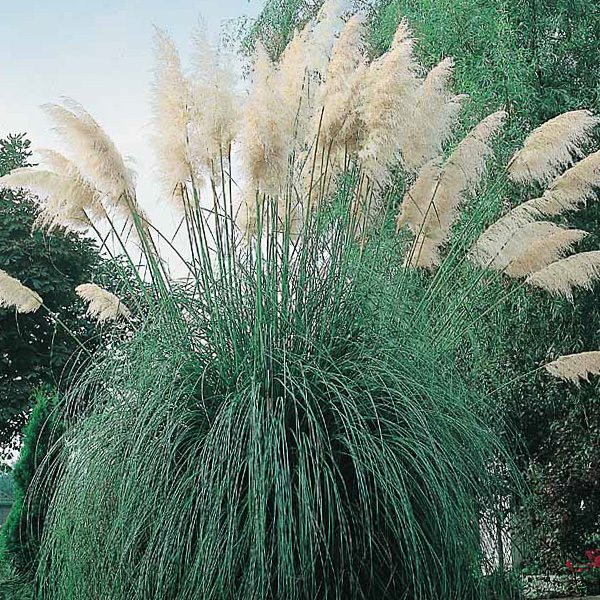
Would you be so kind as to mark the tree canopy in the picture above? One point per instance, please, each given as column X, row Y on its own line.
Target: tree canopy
column 34, row 349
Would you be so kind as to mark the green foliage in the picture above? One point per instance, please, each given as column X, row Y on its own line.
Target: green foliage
column 22, row 532
column 12, row 586
column 297, row 430
column 34, row 350
column 277, row 22
column 536, row 58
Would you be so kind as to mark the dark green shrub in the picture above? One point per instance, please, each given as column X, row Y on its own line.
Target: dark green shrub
column 22, row 532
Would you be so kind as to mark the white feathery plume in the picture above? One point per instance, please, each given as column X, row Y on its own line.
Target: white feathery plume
column 461, row 174
column 63, row 200
column 560, row 277
column 552, row 146
column 435, row 114
column 171, row 102
column 327, row 27
column 95, row 152
column 216, row 115
column 520, row 242
column 574, row 187
column 84, row 192
column 336, row 120
column 388, row 98
column 575, row 367
column 13, row 294
column 102, row 304
column 266, row 136
column 491, row 242
column 418, row 199
column 97, row 157
column 339, row 94
column 544, row 252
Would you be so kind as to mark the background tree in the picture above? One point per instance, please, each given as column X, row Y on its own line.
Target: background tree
column 33, row 349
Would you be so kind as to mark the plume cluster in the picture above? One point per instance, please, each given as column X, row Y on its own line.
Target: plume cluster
column 521, row 245
column 539, row 251
column 322, row 108
column 97, row 157
column 81, row 189
column 13, row 294
column 102, row 304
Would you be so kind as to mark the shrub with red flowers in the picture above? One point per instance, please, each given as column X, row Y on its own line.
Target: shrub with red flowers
column 589, row 571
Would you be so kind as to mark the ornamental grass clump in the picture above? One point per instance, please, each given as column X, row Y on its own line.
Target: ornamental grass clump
column 287, row 421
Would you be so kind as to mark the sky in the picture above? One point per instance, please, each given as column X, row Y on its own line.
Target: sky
column 98, row 52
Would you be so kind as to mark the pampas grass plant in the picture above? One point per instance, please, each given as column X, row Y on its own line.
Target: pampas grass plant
column 287, row 422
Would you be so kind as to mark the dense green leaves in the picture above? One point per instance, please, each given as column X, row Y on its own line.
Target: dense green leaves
column 297, row 429
column 535, row 59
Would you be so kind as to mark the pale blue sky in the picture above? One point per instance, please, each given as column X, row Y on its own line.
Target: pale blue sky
column 98, row 52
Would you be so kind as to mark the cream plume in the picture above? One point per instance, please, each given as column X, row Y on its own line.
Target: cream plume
column 84, row 192
column 102, row 304
column 97, row 156
column 13, row 294
column 216, row 115
column 246, row 217
column 63, row 200
column 520, row 242
column 98, row 159
column 336, row 120
column 171, row 105
column 574, row 187
column 560, row 277
column 389, row 96
column 491, row 242
column 544, row 251
column 417, row 201
column 339, row 94
column 327, row 27
column 266, row 134
column 460, row 175
column 552, row 146
column 434, row 117
column 575, row 367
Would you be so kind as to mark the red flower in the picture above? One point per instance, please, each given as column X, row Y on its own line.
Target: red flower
column 596, row 562
column 569, row 565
